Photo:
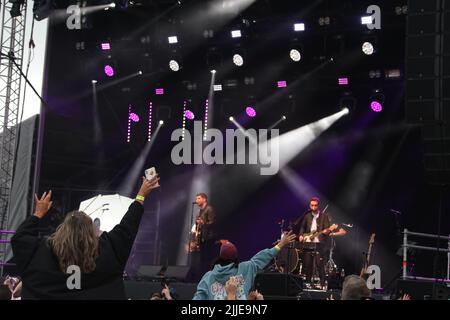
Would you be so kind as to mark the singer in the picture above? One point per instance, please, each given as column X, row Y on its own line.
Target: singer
column 205, row 236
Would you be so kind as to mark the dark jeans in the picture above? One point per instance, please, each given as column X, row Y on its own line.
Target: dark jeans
column 313, row 263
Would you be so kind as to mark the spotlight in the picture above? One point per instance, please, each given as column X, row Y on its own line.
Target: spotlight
column 189, row 115
column 94, row 81
column 231, row 118
column 343, row 81
column 109, row 71
column 295, row 55
column 213, row 71
column 134, row 117
column 140, row 72
column 346, row 110
column 376, row 106
column 112, row 5
column 299, row 27
column 217, row 87
column 159, row 91
column 366, row 20
column 324, row 21
column 282, row 84
column 236, row 34
column 174, row 66
column 283, row 118
column 368, row 48
column 393, row 74
column 161, row 122
column 250, row 111
column 173, row 39
column 238, row 60
column 106, row 46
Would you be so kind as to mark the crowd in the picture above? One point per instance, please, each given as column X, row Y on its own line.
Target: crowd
column 78, row 262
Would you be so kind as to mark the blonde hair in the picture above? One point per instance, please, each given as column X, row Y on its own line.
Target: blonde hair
column 75, row 242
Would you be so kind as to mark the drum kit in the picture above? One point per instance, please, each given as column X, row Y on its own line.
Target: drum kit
column 291, row 258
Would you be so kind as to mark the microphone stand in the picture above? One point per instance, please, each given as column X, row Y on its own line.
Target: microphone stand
column 189, row 237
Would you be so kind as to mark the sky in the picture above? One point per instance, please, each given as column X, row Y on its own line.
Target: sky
column 32, row 103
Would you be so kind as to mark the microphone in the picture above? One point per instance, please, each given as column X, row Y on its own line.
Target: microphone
column 395, row 211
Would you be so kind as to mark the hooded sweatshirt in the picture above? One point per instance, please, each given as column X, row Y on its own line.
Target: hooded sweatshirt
column 212, row 285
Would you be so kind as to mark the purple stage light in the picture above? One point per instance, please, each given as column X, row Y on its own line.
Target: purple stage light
column 343, row 81
column 129, row 124
column 205, row 125
column 189, row 114
column 251, row 112
column 184, row 120
column 134, row 117
column 376, row 106
column 282, row 84
column 159, row 91
column 106, row 46
column 150, row 113
column 109, row 71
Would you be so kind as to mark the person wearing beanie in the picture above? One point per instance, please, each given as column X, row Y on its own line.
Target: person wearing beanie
column 212, row 285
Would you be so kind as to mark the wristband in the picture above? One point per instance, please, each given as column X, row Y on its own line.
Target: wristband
column 140, row 198
column 278, row 248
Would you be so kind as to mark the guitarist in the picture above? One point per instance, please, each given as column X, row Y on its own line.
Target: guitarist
column 206, row 233
column 314, row 221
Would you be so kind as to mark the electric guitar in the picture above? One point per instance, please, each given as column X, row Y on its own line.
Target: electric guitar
column 369, row 251
column 309, row 237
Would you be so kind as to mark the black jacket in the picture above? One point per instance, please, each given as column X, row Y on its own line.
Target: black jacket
column 208, row 215
column 42, row 277
column 323, row 222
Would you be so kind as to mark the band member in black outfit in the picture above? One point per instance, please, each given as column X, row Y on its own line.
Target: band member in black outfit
column 314, row 221
column 206, row 235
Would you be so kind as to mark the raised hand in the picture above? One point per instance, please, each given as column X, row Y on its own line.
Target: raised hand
column 166, row 293
column 231, row 288
column 286, row 239
column 43, row 204
column 148, row 186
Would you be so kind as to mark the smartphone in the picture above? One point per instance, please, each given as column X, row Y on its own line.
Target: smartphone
column 150, row 173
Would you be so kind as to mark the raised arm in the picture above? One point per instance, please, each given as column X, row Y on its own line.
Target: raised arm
column 123, row 235
column 26, row 239
column 260, row 260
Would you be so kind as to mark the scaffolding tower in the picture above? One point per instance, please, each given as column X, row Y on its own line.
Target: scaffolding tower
column 12, row 48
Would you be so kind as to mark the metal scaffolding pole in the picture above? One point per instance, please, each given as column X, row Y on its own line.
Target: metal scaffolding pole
column 11, row 47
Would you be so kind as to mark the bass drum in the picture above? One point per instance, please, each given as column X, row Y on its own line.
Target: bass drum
column 287, row 258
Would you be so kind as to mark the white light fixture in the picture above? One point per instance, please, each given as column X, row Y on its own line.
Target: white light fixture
column 299, row 27
column 236, row 34
column 238, row 60
column 161, row 122
column 295, row 55
column 366, row 20
column 368, row 48
column 217, row 87
column 173, row 39
column 174, row 66
column 231, row 118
